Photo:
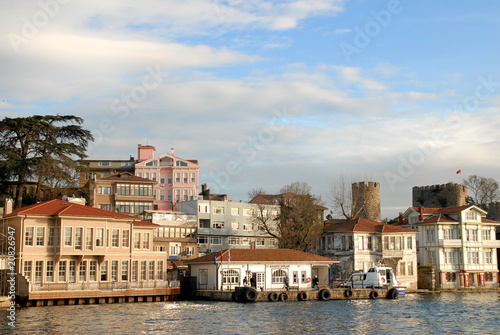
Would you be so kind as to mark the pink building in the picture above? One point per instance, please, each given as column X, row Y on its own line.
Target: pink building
column 177, row 178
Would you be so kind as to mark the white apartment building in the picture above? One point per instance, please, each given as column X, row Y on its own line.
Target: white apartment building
column 226, row 224
column 459, row 242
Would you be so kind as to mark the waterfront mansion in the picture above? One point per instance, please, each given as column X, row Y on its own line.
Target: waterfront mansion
column 68, row 251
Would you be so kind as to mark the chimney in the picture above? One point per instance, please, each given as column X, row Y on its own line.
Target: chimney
column 421, row 213
column 8, row 206
column 172, row 151
column 400, row 218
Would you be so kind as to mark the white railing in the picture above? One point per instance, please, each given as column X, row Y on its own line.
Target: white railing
column 103, row 286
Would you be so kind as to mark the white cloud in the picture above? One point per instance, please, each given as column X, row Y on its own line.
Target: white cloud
column 342, row 31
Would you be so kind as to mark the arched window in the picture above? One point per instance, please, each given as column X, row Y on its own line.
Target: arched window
column 278, row 276
column 230, row 277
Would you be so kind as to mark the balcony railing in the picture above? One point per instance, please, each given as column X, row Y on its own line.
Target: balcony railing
column 450, row 243
column 103, row 286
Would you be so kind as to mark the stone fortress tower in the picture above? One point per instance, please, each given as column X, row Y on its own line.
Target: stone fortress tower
column 444, row 195
column 367, row 194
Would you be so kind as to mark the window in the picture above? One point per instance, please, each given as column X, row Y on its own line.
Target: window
column 218, row 210
column 410, row 268
column 104, row 190
column 89, row 238
column 303, row 278
column 488, row 276
column 169, row 179
column 235, row 225
column 180, row 163
column 51, row 237
column 259, row 241
column 104, row 271
column 431, row 257
column 159, row 270
column 247, row 226
column 169, row 195
column 370, row 243
column 125, row 238
column 135, row 270
column 92, row 270
column 218, row 225
column 177, row 195
column 153, row 177
column 248, row 212
column 185, row 195
column 409, row 242
column 152, row 163
column 473, row 257
column 137, row 240
column 488, row 258
column 106, row 207
column 99, row 237
column 233, row 240
column 361, row 245
column 68, row 234
column 38, row 271
column 114, row 270
column 203, row 209
column 162, row 195
column 82, row 271
column 189, row 251
column 472, row 216
column 151, row 271
column 203, row 239
column 78, row 238
column 62, row 271
column 193, row 178
column 124, row 270
column 402, row 268
column 230, row 276
column 27, row 269
column 145, row 241
column 215, row 240
column 143, row 270
column 430, row 234
column 105, row 164
column 204, row 223
column 184, row 178
column 177, row 177
column 115, row 237
column 451, row 276
column 28, row 236
column 278, row 276
column 486, row 234
column 472, row 235
column 72, row 271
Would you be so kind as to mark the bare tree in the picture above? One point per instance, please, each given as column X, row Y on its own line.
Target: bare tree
column 346, row 202
column 484, row 190
column 299, row 220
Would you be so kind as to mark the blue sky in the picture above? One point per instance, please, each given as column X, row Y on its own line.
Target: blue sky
column 265, row 93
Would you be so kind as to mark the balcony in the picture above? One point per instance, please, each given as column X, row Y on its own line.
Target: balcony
column 491, row 243
column 456, row 243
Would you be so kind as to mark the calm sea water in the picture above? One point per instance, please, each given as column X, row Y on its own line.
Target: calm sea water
column 438, row 313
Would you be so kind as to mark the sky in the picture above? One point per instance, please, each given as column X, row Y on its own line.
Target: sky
column 266, row 93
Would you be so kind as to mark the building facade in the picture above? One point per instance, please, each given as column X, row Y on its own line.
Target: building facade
column 95, row 169
column 226, row 224
column 177, row 178
column 226, row 269
column 69, row 251
column 360, row 244
column 175, row 235
column 458, row 242
column 123, row 193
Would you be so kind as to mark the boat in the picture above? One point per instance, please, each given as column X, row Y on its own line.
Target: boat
column 376, row 277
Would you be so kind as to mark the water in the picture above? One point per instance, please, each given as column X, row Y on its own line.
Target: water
column 438, row 313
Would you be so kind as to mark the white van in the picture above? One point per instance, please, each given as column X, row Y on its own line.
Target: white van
column 376, row 277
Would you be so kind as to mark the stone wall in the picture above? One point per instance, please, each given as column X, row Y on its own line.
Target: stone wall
column 426, row 278
column 367, row 194
column 444, row 195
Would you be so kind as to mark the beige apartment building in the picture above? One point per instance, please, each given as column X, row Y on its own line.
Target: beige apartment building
column 67, row 253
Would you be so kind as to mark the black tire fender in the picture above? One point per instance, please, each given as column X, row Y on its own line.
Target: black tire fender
column 283, row 296
column 273, row 296
column 392, row 294
column 324, row 294
column 250, row 294
column 302, row 296
column 373, row 294
column 348, row 293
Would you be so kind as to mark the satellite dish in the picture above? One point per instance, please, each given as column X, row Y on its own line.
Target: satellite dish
column 65, row 198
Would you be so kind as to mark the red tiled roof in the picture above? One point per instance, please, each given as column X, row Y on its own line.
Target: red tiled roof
column 145, row 224
column 126, row 176
column 438, row 217
column 59, row 207
column 262, row 255
column 364, row 225
column 446, row 210
column 430, row 210
column 488, row 221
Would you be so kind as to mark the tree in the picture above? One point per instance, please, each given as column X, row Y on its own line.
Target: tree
column 484, row 190
column 37, row 147
column 298, row 223
column 345, row 201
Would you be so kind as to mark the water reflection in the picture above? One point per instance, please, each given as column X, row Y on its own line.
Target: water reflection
column 444, row 313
